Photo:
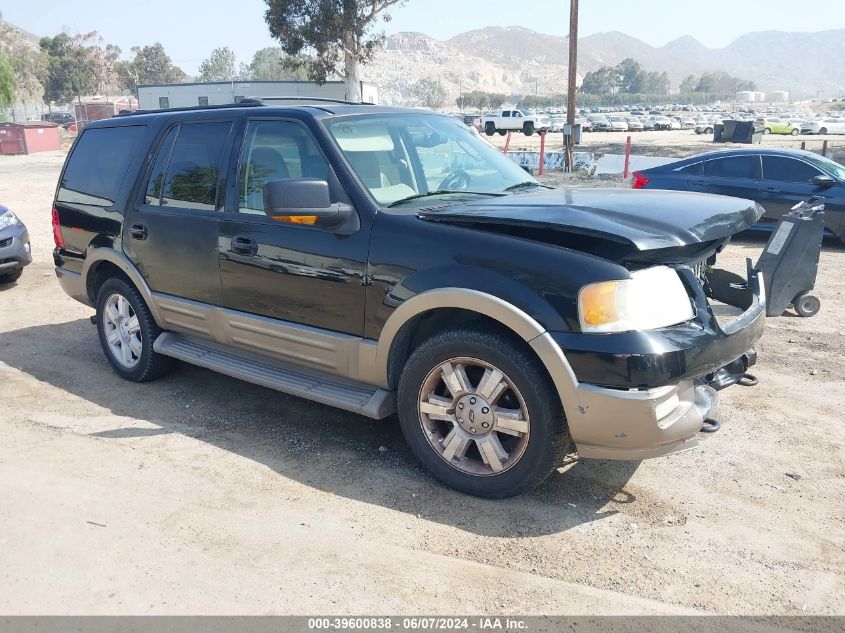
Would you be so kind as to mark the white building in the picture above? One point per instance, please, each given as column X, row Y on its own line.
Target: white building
column 223, row 92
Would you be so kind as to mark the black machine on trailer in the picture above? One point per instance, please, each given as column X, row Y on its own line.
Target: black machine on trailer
column 790, row 261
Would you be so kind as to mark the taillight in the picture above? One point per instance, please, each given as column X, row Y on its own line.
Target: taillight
column 57, row 230
column 639, row 181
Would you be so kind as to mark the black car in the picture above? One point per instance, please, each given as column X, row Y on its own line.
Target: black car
column 383, row 260
column 62, row 118
column 776, row 178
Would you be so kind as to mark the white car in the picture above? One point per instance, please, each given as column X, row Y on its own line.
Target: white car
column 831, row 125
column 618, row 124
column 674, row 124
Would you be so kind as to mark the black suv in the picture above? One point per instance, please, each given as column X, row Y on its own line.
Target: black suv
column 382, row 260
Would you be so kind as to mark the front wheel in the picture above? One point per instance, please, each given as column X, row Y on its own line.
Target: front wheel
column 528, row 129
column 823, row 130
column 127, row 332
column 490, row 128
column 767, row 131
column 794, row 132
column 9, row 278
column 481, row 414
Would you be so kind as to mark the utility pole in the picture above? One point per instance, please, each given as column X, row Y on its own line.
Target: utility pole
column 573, row 83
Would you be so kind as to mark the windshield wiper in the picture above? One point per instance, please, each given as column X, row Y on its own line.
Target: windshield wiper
column 527, row 183
column 441, row 192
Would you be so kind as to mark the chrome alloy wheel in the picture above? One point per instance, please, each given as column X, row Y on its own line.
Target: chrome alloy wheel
column 122, row 331
column 473, row 416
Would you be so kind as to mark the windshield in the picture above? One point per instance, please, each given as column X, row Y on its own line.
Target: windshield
column 404, row 155
column 825, row 164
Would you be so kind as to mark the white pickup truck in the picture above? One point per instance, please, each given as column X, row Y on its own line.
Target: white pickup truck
column 515, row 120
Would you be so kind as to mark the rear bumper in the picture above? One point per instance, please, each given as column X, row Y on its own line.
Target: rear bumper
column 73, row 284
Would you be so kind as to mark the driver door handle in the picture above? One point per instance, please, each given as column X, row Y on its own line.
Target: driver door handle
column 244, row 245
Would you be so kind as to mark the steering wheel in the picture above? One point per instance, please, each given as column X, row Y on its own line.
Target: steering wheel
column 457, row 180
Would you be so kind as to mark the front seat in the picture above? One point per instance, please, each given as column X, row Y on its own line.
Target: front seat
column 265, row 165
column 366, row 166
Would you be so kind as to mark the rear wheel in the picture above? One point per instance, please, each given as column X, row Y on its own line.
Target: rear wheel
column 127, row 332
column 794, row 132
column 767, row 131
column 481, row 414
column 823, row 130
column 490, row 128
column 502, row 132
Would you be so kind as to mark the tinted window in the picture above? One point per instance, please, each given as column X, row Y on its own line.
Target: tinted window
column 98, row 165
column 693, row 170
column 733, row 167
column 203, row 101
column 163, row 103
column 788, row 169
column 506, row 115
column 154, row 185
column 275, row 150
column 193, row 171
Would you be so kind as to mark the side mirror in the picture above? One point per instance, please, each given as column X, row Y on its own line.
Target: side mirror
column 303, row 201
column 823, row 180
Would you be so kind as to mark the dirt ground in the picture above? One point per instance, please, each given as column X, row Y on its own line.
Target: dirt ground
column 199, row 494
column 672, row 143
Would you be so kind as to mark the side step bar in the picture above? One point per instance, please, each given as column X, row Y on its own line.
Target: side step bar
column 344, row 394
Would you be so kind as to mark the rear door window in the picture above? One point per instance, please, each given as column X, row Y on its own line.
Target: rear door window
column 788, row 170
column 193, row 167
column 98, row 165
column 743, row 167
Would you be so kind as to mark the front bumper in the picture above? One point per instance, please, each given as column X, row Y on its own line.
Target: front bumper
column 14, row 249
column 646, row 394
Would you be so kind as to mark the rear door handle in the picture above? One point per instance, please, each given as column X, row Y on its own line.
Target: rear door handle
column 244, row 245
column 138, row 232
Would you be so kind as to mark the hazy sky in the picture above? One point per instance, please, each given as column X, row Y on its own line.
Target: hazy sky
column 189, row 29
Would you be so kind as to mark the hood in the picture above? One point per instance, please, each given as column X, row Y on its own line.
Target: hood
column 621, row 224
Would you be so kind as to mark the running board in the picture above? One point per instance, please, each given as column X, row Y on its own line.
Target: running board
column 336, row 392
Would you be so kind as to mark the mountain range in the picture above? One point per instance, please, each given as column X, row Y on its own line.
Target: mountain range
column 518, row 60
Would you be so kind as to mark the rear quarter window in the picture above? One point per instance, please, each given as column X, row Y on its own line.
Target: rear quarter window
column 99, row 164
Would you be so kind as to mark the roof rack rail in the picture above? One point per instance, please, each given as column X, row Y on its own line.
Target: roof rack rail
column 263, row 100
column 244, row 103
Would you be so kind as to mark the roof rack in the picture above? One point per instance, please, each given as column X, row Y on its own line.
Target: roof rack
column 249, row 104
column 262, row 100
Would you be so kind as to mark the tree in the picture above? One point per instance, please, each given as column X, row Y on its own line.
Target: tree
column 429, row 92
column 270, row 64
column 656, row 83
column 630, row 77
column 150, row 65
column 688, row 84
column 333, row 30
column 220, row 66
column 7, row 83
column 603, row 81
column 71, row 68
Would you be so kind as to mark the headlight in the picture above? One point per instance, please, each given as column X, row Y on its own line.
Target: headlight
column 651, row 299
column 8, row 219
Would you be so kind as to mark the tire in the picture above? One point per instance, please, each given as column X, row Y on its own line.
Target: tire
column 807, row 305
column 823, row 130
column 794, row 132
column 12, row 277
column 489, row 128
column 136, row 337
column 708, row 130
column 502, row 132
column 528, row 129
column 524, row 388
column 766, row 131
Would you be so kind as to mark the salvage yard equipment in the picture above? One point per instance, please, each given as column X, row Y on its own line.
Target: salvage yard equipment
column 790, row 261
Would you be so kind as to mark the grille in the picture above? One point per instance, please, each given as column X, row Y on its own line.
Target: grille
column 6, row 242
